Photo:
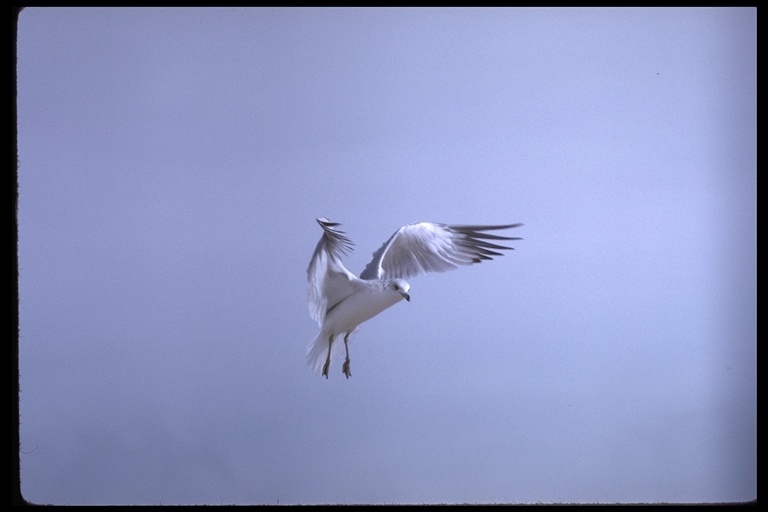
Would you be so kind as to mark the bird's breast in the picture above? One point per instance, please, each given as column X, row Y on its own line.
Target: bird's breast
column 356, row 309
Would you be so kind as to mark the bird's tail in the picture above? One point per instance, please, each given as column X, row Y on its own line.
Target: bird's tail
column 317, row 351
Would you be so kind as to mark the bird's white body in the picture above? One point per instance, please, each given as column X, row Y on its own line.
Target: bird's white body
column 370, row 299
column 339, row 301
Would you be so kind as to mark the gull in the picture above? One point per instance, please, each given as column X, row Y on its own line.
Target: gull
column 339, row 301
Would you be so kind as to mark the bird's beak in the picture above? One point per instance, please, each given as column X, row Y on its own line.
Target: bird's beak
column 406, row 296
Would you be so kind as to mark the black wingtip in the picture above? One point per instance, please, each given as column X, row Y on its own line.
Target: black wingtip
column 335, row 237
column 487, row 227
column 326, row 223
column 478, row 234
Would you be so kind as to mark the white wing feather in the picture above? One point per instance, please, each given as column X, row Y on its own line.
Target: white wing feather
column 329, row 281
column 430, row 247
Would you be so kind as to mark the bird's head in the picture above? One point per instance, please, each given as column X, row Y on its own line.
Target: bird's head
column 401, row 287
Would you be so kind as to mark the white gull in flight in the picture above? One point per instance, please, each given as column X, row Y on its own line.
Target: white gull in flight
column 339, row 301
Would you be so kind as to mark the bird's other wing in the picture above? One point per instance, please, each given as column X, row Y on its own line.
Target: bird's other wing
column 430, row 247
column 329, row 281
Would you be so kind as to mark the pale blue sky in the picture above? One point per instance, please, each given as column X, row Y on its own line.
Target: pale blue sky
column 172, row 163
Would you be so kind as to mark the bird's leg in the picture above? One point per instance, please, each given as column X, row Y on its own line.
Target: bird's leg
column 345, row 368
column 328, row 359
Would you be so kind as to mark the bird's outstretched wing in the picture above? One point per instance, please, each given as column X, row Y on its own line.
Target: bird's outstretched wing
column 431, row 247
column 329, row 281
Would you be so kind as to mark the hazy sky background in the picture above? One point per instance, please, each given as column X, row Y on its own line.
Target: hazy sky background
column 172, row 163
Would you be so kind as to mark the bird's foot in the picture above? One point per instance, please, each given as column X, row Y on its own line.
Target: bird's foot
column 325, row 369
column 346, row 369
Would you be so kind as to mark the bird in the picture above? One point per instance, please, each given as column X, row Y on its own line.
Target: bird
column 339, row 301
